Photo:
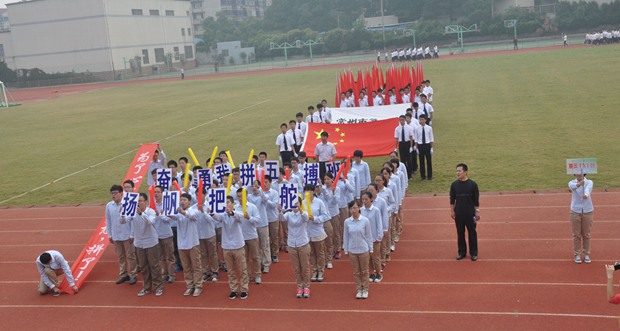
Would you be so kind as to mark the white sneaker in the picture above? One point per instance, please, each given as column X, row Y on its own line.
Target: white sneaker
column 364, row 294
column 577, row 259
column 358, row 295
column 258, row 280
column 587, row 259
column 392, row 248
column 330, row 265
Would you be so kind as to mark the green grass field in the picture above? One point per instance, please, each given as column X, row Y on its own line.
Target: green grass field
column 513, row 119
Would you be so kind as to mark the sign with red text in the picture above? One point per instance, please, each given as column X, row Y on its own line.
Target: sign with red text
column 581, row 166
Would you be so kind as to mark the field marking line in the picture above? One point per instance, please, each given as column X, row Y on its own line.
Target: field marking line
column 505, row 239
column 131, row 151
column 45, row 230
column 49, row 218
column 296, row 310
column 507, row 207
column 492, row 194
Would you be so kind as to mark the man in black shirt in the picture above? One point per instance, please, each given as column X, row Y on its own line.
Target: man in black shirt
column 464, row 202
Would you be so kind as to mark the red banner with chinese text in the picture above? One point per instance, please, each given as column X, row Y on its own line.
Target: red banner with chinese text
column 99, row 241
column 374, row 138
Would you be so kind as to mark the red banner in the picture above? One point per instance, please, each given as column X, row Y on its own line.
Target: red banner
column 374, row 138
column 99, row 241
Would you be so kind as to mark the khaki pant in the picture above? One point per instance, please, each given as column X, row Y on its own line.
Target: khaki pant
column 284, row 237
column 399, row 222
column 166, row 253
column 192, row 270
column 359, row 262
column 274, row 237
column 148, row 260
column 208, row 255
column 251, row 250
column 329, row 241
column 385, row 246
column 263, row 244
column 392, row 229
column 344, row 214
column 337, row 231
column 235, row 259
column 317, row 256
column 300, row 259
column 52, row 274
column 126, row 253
column 375, row 257
column 582, row 226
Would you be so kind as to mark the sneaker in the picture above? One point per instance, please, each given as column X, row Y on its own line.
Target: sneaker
column 197, row 292
column 244, row 295
column 378, row 278
column 314, row 277
column 392, row 248
column 122, row 280
column 371, row 278
column 320, row 278
column 337, row 255
column 55, row 294
column 275, row 259
column 214, row 277
column 266, row 269
column 306, row 293
column 587, row 259
column 223, row 267
column 396, row 239
column 577, row 259
column 178, row 268
column 188, row 292
column 171, row 278
column 364, row 294
column 258, row 280
column 143, row 292
column 299, row 293
column 164, row 278
column 330, row 265
column 133, row 280
column 206, row 276
column 159, row 292
column 232, row 295
column 358, row 295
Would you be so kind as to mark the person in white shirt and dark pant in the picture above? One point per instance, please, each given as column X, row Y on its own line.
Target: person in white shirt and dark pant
column 423, row 137
column 286, row 144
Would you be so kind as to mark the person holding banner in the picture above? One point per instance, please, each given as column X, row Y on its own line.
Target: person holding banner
column 250, row 235
column 189, row 245
column 271, row 209
column 298, row 246
column 317, row 214
column 581, row 211
column 358, row 240
column 51, row 264
column 119, row 232
column 144, row 232
column 158, row 162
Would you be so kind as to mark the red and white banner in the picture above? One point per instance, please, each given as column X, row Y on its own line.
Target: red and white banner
column 99, row 241
column 374, row 138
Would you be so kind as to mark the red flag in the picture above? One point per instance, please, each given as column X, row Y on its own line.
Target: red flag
column 98, row 242
column 152, row 197
column 200, row 194
column 374, row 138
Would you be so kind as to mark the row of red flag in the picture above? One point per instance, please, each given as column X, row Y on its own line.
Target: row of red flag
column 372, row 79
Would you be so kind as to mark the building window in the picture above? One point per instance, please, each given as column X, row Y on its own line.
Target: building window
column 169, row 12
column 189, row 31
column 159, row 55
column 183, row 31
column 189, row 52
column 225, row 52
column 176, row 53
column 145, row 56
column 154, row 12
column 136, row 12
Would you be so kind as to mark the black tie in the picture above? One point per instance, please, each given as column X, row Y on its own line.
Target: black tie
column 286, row 145
column 425, row 113
column 423, row 136
column 311, row 118
column 298, row 126
column 321, row 116
column 294, row 138
column 402, row 133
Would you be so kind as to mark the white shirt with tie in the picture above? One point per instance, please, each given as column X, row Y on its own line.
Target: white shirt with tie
column 296, row 136
column 282, row 138
column 303, row 127
column 398, row 133
column 428, row 133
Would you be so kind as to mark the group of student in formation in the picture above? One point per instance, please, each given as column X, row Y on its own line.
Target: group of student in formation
column 410, row 54
column 422, row 95
column 603, row 37
column 361, row 216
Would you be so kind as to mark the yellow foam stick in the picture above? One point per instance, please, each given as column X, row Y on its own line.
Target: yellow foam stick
column 232, row 164
column 191, row 153
column 309, row 204
column 244, row 201
column 186, row 175
column 301, row 202
column 229, row 184
column 250, row 157
column 212, row 157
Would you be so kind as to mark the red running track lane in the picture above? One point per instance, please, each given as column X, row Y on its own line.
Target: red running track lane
column 525, row 278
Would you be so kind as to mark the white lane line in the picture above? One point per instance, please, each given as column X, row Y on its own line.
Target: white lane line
column 45, row 230
column 131, row 151
column 510, row 207
column 512, row 222
column 505, row 239
column 61, row 218
column 296, row 310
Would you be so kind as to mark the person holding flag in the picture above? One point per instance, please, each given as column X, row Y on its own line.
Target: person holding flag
column 51, row 264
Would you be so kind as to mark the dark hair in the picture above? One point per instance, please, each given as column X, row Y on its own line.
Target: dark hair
column 374, row 185
column 183, row 158
column 117, row 188
column 395, row 152
column 310, row 107
column 235, row 170
column 240, row 190
column 324, row 134
column 401, row 117
column 416, row 104
column 268, row 178
column 263, row 153
column 154, row 172
column 283, row 125
column 368, row 194
column 257, row 181
column 395, row 161
column 292, row 121
column 223, row 152
column 45, row 258
column 463, row 166
column 351, row 204
column 294, row 158
column 230, row 198
column 309, row 187
column 302, row 154
column 328, row 174
column 196, row 168
column 299, row 115
column 319, row 105
column 186, row 196
column 218, row 158
column 143, row 195
column 172, row 162
column 389, row 171
column 130, row 182
column 159, row 187
column 255, row 157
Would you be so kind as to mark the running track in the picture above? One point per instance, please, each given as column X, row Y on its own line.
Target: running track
column 525, row 278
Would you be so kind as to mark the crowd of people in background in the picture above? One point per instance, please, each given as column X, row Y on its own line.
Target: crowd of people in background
column 410, row 54
column 603, row 37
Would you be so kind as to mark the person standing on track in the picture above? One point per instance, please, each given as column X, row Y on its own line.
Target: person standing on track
column 358, row 240
column 581, row 210
column 119, row 234
column 464, row 202
column 51, row 264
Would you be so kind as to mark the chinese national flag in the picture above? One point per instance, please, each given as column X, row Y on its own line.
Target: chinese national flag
column 373, row 138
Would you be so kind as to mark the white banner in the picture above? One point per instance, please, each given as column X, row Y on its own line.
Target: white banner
column 367, row 114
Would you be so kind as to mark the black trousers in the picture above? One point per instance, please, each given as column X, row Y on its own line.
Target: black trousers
column 322, row 171
column 466, row 222
column 405, row 157
column 426, row 161
column 297, row 148
column 286, row 157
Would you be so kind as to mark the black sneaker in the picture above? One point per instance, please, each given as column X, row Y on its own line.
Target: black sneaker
column 133, row 280
column 233, row 295
column 122, row 280
column 244, row 295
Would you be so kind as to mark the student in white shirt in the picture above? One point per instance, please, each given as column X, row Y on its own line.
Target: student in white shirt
column 158, row 162
column 189, row 245
column 208, row 244
column 250, row 236
column 332, row 228
column 165, row 237
column 317, row 234
column 313, row 117
column 285, row 143
column 271, row 209
column 298, row 247
column 119, row 232
column 380, row 203
column 260, row 200
column 358, row 244
column 581, row 211
column 362, row 168
column 51, row 264
column 297, row 136
column 427, row 109
column 428, row 91
column 362, row 100
column 301, row 125
column 424, row 139
column 384, row 192
column 373, row 214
